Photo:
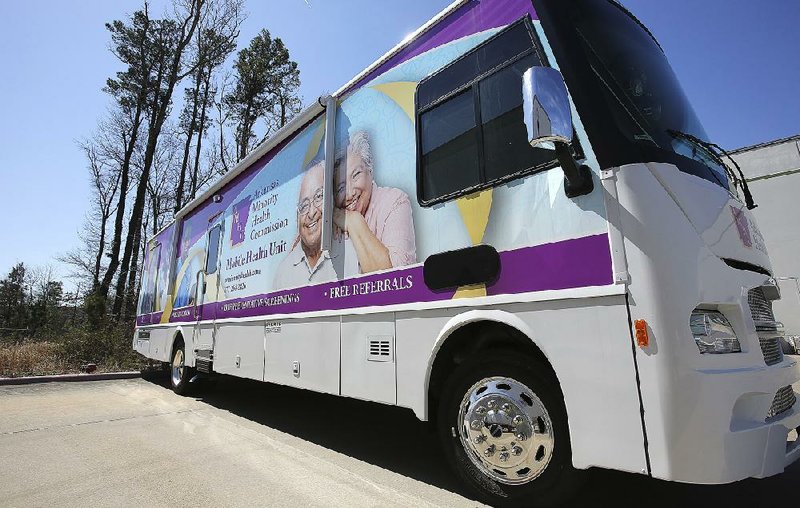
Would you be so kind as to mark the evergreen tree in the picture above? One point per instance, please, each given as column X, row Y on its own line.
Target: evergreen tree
column 14, row 299
column 265, row 87
column 44, row 310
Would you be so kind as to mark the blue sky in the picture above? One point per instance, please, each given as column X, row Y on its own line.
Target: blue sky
column 737, row 60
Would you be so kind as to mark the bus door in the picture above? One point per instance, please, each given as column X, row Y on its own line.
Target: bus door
column 207, row 291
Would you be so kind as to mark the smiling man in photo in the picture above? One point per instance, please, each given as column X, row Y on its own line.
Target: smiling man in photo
column 306, row 262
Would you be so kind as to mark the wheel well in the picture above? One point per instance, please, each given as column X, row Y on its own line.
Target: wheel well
column 471, row 339
column 178, row 339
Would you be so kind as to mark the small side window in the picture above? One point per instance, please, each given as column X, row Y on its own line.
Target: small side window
column 470, row 127
column 149, row 290
column 213, row 249
column 450, row 146
column 506, row 150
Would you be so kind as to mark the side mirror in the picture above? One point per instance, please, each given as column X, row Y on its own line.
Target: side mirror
column 546, row 106
column 548, row 119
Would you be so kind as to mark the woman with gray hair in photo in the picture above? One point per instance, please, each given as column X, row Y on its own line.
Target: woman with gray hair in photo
column 376, row 219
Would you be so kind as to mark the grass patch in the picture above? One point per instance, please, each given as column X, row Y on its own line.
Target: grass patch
column 32, row 359
column 110, row 349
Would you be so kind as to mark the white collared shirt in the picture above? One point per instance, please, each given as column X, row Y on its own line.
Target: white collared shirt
column 338, row 263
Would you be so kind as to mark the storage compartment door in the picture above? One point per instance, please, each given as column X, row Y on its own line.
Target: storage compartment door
column 304, row 353
column 368, row 366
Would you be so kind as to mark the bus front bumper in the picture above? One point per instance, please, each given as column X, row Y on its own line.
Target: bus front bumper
column 728, row 435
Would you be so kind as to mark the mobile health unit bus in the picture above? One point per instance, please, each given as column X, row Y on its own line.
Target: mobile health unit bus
column 513, row 224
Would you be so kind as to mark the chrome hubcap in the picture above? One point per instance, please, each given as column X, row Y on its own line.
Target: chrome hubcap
column 506, row 430
column 177, row 367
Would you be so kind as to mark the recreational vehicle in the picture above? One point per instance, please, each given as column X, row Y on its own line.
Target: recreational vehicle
column 514, row 225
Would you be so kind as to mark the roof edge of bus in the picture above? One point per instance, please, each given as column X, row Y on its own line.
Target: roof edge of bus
column 163, row 228
column 308, row 114
column 402, row 44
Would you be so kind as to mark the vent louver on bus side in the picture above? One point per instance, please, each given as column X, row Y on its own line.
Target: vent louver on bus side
column 380, row 349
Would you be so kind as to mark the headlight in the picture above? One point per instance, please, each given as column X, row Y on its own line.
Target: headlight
column 713, row 333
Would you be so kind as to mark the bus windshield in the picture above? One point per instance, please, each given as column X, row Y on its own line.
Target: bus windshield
column 646, row 97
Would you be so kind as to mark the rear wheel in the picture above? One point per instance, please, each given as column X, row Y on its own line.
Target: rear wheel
column 503, row 427
column 180, row 374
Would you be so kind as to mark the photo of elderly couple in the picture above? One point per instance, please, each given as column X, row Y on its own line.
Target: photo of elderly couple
column 373, row 225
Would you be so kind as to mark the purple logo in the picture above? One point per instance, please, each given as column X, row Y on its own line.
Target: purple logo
column 742, row 226
column 241, row 210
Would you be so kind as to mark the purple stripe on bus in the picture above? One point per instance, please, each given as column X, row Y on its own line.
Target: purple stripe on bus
column 149, row 319
column 580, row 262
column 568, row 264
column 471, row 18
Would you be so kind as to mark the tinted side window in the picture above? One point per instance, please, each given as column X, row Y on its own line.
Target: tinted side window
column 450, row 146
column 513, row 42
column 470, row 127
column 505, row 140
column 149, row 288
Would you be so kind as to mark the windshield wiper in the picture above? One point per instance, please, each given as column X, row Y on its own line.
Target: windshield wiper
column 716, row 153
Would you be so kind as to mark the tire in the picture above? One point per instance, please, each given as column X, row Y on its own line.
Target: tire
column 503, row 428
column 180, row 374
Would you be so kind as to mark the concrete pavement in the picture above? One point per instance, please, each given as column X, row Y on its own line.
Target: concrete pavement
column 123, row 443
column 133, row 442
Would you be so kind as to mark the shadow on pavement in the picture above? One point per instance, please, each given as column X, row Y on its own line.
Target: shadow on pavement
column 393, row 438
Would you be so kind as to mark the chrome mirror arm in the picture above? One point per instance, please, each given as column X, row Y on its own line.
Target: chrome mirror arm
column 577, row 177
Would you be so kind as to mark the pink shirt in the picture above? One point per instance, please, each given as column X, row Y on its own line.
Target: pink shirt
column 389, row 218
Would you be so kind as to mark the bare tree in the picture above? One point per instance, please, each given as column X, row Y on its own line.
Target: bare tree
column 172, row 42
column 224, row 117
column 131, row 161
column 132, row 45
column 104, row 152
column 207, row 94
column 211, row 46
column 105, row 177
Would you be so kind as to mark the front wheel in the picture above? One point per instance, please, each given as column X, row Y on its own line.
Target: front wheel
column 503, row 427
column 180, row 374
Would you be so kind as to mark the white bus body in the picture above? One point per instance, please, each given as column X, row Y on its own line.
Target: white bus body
column 402, row 242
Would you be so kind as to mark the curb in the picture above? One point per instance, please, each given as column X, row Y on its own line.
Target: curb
column 5, row 381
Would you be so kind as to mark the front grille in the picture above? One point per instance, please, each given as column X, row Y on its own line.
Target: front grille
column 784, row 399
column 761, row 309
column 771, row 348
column 764, row 319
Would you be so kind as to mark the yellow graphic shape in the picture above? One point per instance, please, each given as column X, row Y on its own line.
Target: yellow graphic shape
column 475, row 213
column 470, row 291
column 401, row 92
column 474, row 208
column 167, row 312
column 313, row 145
